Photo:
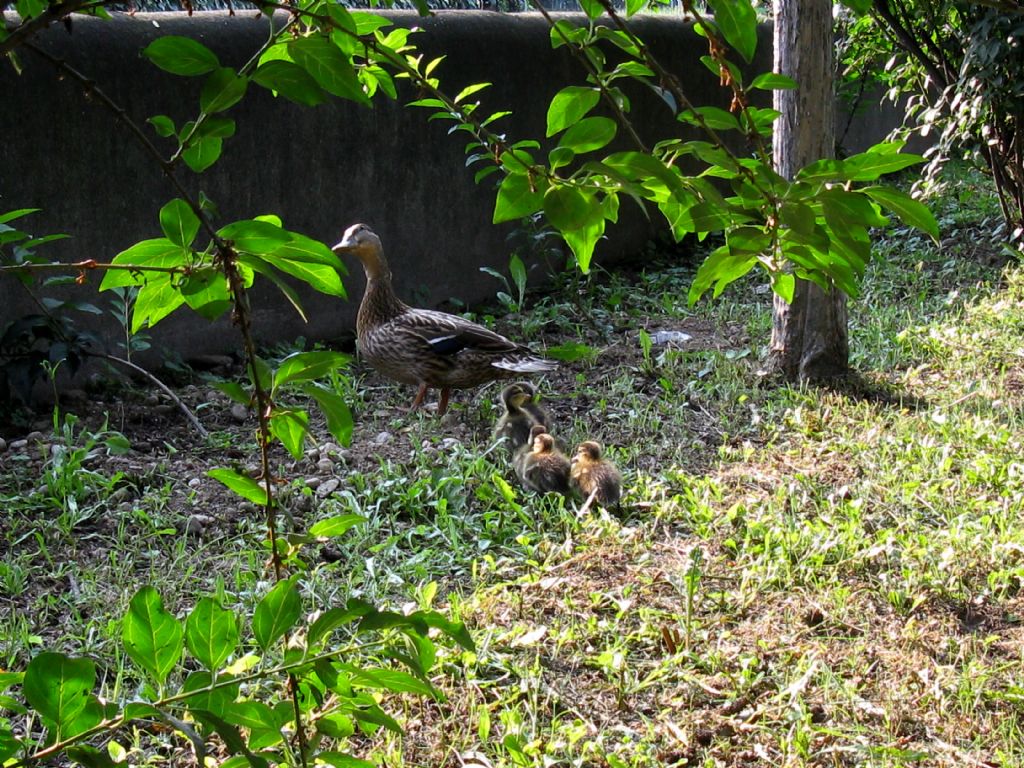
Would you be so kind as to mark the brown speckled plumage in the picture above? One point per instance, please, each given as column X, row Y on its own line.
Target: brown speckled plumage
column 522, row 413
column 422, row 346
column 540, row 466
column 591, row 473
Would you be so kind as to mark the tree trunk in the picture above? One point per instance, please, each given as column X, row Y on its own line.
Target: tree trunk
column 809, row 336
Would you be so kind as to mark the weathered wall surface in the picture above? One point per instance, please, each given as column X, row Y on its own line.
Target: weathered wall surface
column 319, row 169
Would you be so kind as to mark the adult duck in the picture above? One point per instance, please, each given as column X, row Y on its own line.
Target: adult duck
column 421, row 346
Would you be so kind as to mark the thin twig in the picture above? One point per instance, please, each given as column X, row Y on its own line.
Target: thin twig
column 163, row 387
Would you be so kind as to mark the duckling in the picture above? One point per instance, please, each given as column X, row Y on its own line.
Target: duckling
column 522, row 413
column 422, row 346
column 595, row 476
column 540, row 466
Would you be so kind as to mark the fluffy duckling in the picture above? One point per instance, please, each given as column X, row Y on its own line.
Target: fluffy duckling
column 522, row 413
column 540, row 466
column 422, row 346
column 595, row 476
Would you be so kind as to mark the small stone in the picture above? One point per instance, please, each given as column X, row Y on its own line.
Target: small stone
column 164, row 408
column 197, row 525
column 383, row 438
column 53, row 450
column 328, row 448
column 253, row 470
column 142, row 446
column 34, row 437
column 18, row 445
column 239, row 413
column 450, row 443
column 325, row 465
column 313, row 482
column 303, row 502
column 328, row 487
column 195, row 482
column 151, row 399
column 247, row 508
column 212, row 396
column 3, row 445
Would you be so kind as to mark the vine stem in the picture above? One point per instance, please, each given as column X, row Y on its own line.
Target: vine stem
column 592, row 71
column 64, row 266
column 241, row 315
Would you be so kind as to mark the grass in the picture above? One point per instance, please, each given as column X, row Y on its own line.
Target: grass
column 800, row 576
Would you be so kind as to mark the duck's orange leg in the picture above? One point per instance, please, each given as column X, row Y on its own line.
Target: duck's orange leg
column 422, row 393
column 442, row 405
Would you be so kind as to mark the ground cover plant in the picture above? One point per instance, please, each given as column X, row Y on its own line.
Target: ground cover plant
column 799, row 576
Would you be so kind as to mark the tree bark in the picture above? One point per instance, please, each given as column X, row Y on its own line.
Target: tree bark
column 809, row 337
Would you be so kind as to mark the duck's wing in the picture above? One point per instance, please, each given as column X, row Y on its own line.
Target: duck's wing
column 448, row 335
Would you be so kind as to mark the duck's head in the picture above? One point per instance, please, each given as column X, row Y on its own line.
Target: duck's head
column 541, row 441
column 589, row 451
column 363, row 243
column 515, row 396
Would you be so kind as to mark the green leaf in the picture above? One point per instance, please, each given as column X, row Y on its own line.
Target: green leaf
column 276, row 613
column 569, row 106
column 336, row 412
column 849, row 211
column 244, row 486
column 770, row 81
column 234, row 390
column 211, row 633
column 331, row 69
column 179, row 222
column 159, row 252
column 330, row 620
column 181, row 56
column 91, row 757
column 288, row 79
column 571, row 351
column 582, row 242
column 592, row 8
column 306, row 250
column 152, row 636
column 202, row 152
column 307, row 366
column 155, row 301
column 714, row 117
column 910, row 211
column 516, row 199
column 568, row 208
column 635, row 6
column 868, row 166
column 387, row 680
column 222, row 90
column 335, row 526
column 290, row 426
column 343, row 759
column 254, row 715
column 163, row 125
column 719, row 269
column 798, row 217
column 206, row 291
column 259, row 237
column 737, row 21
column 784, row 284
column 217, row 700
column 589, row 134
column 58, row 687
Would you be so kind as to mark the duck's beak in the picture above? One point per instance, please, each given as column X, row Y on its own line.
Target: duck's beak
column 344, row 246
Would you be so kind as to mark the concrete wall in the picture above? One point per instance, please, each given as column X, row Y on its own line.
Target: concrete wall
column 319, row 169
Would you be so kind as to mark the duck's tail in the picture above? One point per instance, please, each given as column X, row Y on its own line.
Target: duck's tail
column 525, row 364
